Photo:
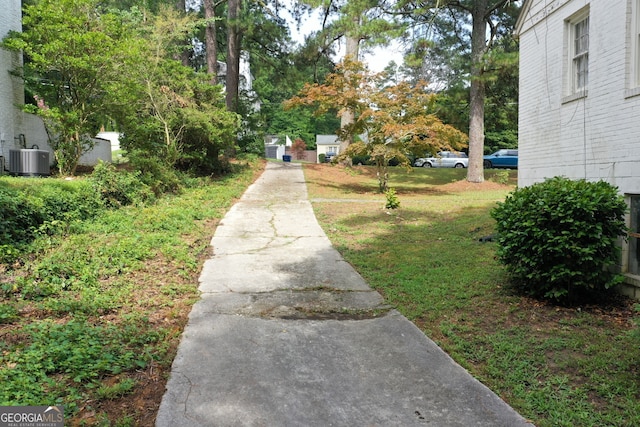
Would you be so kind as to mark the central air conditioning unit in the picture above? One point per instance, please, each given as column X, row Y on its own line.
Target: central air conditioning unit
column 29, row 162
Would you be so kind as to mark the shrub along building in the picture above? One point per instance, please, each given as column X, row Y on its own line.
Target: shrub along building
column 580, row 101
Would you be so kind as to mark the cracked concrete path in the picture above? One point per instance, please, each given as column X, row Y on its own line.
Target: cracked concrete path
column 286, row 333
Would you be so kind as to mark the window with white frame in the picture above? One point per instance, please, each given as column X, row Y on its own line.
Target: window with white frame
column 580, row 68
column 577, row 54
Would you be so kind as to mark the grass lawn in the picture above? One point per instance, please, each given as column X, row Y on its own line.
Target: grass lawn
column 557, row 366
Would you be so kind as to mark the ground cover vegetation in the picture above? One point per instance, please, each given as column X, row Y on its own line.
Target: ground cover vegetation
column 97, row 277
column 556, row 364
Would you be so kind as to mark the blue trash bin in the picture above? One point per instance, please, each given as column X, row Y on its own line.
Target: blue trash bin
column 286, row 158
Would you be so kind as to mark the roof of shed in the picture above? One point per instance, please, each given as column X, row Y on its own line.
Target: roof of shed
column 326, row 139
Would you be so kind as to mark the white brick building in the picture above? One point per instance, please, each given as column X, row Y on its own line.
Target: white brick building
column 580, row 99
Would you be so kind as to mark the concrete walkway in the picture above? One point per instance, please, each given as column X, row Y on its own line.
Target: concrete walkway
column 288, row 334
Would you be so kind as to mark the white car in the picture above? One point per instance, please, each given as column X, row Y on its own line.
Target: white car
column 444, row 159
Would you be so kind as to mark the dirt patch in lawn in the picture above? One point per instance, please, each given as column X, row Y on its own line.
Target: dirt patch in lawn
column 338, row 181
column 464, row 185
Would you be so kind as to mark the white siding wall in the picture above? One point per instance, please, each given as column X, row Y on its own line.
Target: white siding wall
column 595, row 137
column 35, row 134
column 101, row 151
column 13, row 122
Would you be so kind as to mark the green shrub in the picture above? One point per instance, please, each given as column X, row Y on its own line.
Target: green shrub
column 119, row 187
column 392, row 199
column 156, row 175
column 17, row 217
column 68, row 201
column 558, row 238
column 501, row 177
column 39, row 207
column 361, row 160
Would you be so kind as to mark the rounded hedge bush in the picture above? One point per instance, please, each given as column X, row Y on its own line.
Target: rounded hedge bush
column 559, row 238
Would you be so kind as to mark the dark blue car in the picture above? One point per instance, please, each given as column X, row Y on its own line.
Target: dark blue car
column 505, row 158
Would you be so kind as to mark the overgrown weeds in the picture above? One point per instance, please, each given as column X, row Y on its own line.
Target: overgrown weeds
column 90, row 314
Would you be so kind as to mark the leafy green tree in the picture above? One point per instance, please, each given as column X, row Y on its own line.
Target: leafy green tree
column 166, row 109
column 464, row 25
column 279, row 78
column 501, row 114
column 71, row 48
column 147, row 6
column 256, row 31
column 267, row 46
column 211, row 37
column 390, row 121
column 357, row 21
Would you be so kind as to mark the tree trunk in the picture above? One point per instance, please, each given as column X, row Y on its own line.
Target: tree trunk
column 211, row 40
column 352, row 51
column 346, row 118
column 185, row 55
column 234, row 37
column 475, row 172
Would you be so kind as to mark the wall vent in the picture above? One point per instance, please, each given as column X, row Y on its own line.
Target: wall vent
column 29, row 162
